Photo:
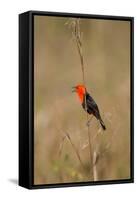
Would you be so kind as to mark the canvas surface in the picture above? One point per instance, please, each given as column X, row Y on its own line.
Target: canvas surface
column 63, row 150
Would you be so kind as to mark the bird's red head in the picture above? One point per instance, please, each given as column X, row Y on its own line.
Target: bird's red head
column 80, row 90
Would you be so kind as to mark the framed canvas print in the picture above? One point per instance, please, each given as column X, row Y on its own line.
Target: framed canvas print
column 75, row 99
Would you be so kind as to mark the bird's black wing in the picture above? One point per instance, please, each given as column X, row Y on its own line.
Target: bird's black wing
column 91, row 107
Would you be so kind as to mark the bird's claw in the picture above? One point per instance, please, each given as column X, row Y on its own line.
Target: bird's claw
column 88, row 123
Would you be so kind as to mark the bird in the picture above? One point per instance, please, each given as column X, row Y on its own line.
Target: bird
column 88, row 103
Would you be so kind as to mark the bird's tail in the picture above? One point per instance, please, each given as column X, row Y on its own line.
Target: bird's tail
column 102, row 124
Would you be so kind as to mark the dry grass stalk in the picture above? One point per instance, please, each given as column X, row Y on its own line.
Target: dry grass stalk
column 67, row 136
column 76, row 151
column 95, row 160
column 77, row 35
column 61, row 145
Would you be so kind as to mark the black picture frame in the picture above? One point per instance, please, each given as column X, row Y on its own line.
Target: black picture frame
column 26, row 98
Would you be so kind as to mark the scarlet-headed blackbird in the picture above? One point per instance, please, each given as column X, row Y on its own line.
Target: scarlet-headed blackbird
column 88, row 103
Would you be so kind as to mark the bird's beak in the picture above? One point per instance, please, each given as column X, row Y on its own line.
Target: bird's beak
column 73, row 89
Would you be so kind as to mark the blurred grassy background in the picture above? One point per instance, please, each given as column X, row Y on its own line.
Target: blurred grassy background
column 106, row 49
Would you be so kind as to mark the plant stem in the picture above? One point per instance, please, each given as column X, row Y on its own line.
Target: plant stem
column 95, row 172
column 75, row 149
column 77, row 34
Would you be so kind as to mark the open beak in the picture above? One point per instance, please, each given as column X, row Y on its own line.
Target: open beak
column 73, row 89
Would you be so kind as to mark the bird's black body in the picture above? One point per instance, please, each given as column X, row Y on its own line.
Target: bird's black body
column 91, row 107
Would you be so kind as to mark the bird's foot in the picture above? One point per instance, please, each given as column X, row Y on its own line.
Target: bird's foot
column 88, row 123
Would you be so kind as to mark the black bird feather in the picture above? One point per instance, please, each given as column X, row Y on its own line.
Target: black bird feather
column 92, row 108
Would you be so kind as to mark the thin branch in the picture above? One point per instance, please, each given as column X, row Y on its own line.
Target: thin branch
column 90, row 147
column 95, row 160
column 77, row 35
column 67, row 136
column 61, row 145
column 75, row 149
